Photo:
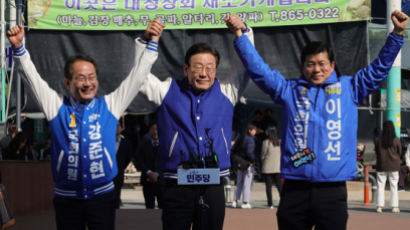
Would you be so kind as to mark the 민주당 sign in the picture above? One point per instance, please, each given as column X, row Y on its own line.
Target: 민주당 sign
column 189, row 14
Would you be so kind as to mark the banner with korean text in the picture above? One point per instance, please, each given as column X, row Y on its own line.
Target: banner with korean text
column 189, row 14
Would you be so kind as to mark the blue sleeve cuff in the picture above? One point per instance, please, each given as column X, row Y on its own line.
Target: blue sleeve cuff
column 152, row 46
column 19, row 51
column 242, row 38
column 400, row 37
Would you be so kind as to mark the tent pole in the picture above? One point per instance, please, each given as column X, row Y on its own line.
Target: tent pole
column 3, row 60
column 393, row 92
column 19, row 4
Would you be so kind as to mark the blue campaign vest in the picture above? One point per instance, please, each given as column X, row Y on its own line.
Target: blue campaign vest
column 86, row 132
column 190, row 123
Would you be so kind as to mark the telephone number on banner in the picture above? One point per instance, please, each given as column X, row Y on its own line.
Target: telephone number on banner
column 318, row 13
column 255, row 17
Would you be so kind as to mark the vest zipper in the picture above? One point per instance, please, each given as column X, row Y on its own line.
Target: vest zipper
column 226, row 143
column 173, row 144
column 60, row 159
column 107, row 154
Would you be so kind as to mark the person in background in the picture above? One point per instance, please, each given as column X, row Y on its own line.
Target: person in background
column 388, row 152
column 148, row 162
column 258, row 122
column 5, row 140
column 18, row 148
column 244, row 179
column 45, row 149
column 123, row 156
column 404, row 170
column 259, row 137
column 270, row 156
column 267, row 119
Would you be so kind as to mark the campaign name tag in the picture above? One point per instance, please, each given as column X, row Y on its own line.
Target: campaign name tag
column 198, row 176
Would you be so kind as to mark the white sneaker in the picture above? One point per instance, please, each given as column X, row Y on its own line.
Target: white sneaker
column 271, row 207
column 379, row 210
column 234, row 204
column 246, row 206
column 395, row 210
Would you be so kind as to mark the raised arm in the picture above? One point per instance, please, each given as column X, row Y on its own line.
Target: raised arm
column 47, row 98
column 370, row 78
column 235, row 25
column 270, row 81
column 235, row 84
column 154, row 89
column 400, row 21
column 16, row 35
column 119, row 100
column 153, row 32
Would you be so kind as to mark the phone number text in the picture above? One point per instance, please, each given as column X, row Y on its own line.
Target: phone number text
column 190, row 19
column 292, row 15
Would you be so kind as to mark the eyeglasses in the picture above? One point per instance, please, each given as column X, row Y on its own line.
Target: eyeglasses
column 200, row 69
column 311, row 65
column 82, row 79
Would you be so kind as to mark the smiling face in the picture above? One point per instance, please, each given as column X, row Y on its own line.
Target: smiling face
column 318, row 68
column 201, row 71
column 200, row 63
column 83, row 84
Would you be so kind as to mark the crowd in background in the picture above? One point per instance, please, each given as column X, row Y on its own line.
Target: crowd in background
column 20, row 145
column 261, row 149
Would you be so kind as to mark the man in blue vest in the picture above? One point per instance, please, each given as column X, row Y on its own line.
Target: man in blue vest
column 83, row 132
column 195, row 128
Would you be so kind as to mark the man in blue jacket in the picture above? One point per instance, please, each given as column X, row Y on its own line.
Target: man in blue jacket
column 319, row 120
column 83, row 132
column 195, row 127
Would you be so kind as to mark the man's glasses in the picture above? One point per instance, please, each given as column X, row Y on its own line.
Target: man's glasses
column 200, row 69
column 83, row 78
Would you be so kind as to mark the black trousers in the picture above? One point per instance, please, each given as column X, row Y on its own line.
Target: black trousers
column 118, row 183
column 269, row 180
column 402, row 176
column 304, row 205
column 97, row 213
column 182, row 207
column 150, row 191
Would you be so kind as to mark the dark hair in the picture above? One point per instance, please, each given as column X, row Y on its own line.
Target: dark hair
column 257, row 112
column 388, row 134
column 272, row 135
column 68, row 70
column 201, row 48
column 238, row 143
column 317, row 47
column 152, row 122
column 250, row 126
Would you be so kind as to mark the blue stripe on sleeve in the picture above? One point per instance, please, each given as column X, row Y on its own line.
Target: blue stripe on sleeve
column 19, row 51
column 152, row 46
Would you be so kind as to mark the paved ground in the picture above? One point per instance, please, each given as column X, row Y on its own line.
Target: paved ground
column 132, row 214
column 133, row 199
